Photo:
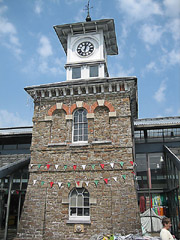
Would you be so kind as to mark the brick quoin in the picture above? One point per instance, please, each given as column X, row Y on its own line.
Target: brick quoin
column 72, row 108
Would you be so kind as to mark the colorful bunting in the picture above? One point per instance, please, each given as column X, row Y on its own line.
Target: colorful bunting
column 65, row 167
column 31, row 165
column 74, row 166
column 96, row 182
column 121, row 163
column 115, row 179
column 106, row 180
column 51, row 183
column 78, row 182
column 87, row 183
column 112, row 165
column 68, row 184
column 34, row 182
column 93, row 166
column 102, row 166
column 124, row 177
column 42, row 183
column 83, row 166
column 131, row 162
column 39, row 165
column 56, row 166
column 48, row 166
column 59, row 184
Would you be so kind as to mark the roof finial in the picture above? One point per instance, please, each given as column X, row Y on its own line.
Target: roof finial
column 88, row 18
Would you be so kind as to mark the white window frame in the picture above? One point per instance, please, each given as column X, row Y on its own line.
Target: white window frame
column 75, row 217
column 97, row 71
column 77, row 128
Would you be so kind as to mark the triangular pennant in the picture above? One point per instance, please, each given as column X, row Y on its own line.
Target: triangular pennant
column 48, row 166
column 78, row 182
column 56, row 166
column 42, row 183
column 96, row 182
column 65, row 167
column 17, row 192
column 93, row 166
column 133, row 173
column 59, row 184
column 39, row 165
column 83, row 166
column 51, row 183
column 68, row 184
column 106, row 180
column 115, row 179
column 34, row 182
column 124, row 177
column 87, row 183
column 121, row 163
column 102, row 166
column 74, row 166
column 112, row 165
column 31, row 165
column 131, row 162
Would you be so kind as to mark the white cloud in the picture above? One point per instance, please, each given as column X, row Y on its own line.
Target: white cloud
column 150, row 34
column 38, row 7
column 159, row 95
column 173, row 27
column 8, row 34
column 45, row 49
column 169, row 110
column 9, row 119
column 171, row 58
column 172, row 7
column 120, row 71
column 139, row 9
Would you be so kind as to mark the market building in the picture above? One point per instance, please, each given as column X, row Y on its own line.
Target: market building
column 93, row 166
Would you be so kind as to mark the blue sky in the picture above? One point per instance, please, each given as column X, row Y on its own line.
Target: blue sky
column 148, row 37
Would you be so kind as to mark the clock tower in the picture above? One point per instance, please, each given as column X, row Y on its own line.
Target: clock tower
column 87, row 45
column 82, row 176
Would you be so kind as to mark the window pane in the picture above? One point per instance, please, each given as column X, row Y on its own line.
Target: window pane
column 80, row 125
column 73, row 202
column 94, row 71
column 86, row 202
column 73, row 211
column 80, row 201
column 80, row 212
column 86, row 212
column 76, row 73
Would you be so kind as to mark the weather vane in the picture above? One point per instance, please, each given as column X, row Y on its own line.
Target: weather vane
column 87, row 8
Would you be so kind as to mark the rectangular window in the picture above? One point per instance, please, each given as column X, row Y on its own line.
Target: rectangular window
column 76, row 72
column 94, row 71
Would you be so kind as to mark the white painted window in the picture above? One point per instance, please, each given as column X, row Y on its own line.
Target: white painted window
column 76, row 72
column 79, row 207
column 80, row 126
column 94, row 71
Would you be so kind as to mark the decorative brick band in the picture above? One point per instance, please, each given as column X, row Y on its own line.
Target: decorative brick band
column 90, row 109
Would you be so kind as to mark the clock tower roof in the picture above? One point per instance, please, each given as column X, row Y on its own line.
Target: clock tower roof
column 107, row 25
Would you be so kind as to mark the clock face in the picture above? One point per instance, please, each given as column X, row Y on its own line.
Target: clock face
column 85, row 48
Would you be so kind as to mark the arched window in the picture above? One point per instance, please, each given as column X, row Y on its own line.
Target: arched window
column 79, row 207
column 80, row 126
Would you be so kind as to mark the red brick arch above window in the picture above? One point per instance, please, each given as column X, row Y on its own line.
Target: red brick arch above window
column 105, row 103
column 54, row 107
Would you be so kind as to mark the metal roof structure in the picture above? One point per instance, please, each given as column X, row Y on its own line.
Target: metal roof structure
column 157, row 122
column 107, row 25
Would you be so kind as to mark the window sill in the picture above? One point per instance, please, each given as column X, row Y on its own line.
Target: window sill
column 79, row 144
column 80, row 221
column 56, row 144
column 101, row 142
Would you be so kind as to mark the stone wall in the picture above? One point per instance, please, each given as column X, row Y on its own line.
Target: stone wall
column 113, row 203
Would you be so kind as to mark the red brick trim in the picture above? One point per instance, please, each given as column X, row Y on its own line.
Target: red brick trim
column 53, row 108
column 106, row 103
column 72, row 108
column 87, row 107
